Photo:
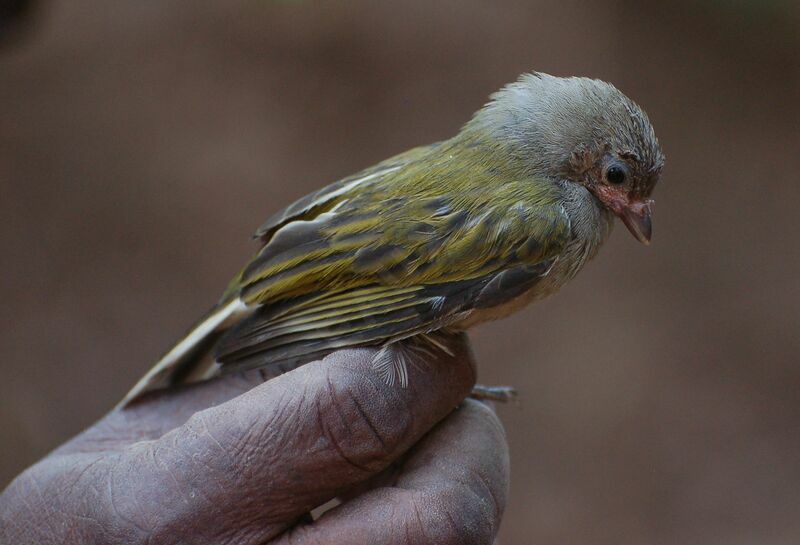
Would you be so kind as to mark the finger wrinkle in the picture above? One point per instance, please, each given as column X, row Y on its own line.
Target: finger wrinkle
column 488, row 489
column 333, row 441
column 182, row 453
column 202, row 418
column 446, row 516
column 219, row 456
column 368, row 421
column 117, row 514
column 467, row 520
column 333, row 396
column 21, row 488
column 280, row 414
column 88, row 467
column 420, row 524
column 189, row 485
column 357, row 421
column 169, row 471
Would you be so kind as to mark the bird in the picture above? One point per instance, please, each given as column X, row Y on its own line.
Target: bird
column 436, row 239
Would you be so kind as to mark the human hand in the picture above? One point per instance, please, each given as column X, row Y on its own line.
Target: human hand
column 240, row 461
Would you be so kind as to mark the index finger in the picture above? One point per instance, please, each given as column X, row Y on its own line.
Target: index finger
column 248, row 468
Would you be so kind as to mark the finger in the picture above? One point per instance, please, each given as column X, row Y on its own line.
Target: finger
column 158, row 412
column 452, row 489
column 390, row 475
column 246, row 469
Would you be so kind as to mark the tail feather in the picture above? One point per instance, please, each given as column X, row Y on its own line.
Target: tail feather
column 186, row 361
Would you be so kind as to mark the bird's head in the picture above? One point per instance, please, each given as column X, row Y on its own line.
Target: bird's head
column 583, row 131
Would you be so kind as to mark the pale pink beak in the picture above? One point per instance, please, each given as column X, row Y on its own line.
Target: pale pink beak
column 637, row 218
column 635, row 214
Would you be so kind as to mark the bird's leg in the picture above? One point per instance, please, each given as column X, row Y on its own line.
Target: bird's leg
column 394, row 358
column 502, row 394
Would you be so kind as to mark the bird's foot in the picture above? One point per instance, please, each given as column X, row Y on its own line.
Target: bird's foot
column 501, row 394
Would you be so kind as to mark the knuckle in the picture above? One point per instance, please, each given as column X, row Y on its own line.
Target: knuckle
column 365, row 426
column 213, row 447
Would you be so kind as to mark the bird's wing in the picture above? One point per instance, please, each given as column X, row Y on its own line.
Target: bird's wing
column 187, row 361
column 378, row 256
column 381, row 267
column 329, row 196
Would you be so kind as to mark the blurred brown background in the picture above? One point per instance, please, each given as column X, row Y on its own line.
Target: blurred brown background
column 142, row 142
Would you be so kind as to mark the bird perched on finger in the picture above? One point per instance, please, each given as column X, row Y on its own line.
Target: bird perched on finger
column 438, row 238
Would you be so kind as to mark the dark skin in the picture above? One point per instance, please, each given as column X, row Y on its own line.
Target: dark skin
column 242, row 461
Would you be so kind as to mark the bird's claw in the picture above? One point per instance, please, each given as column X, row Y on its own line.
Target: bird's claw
column 501, row 394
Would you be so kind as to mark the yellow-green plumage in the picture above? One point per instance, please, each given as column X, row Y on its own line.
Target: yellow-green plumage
column 440, row 236
column 427, row 222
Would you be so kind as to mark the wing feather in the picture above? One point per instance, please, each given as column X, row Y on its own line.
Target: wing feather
column 379, row 268
column 258, row 341
column 329, row 196
column 403, row 248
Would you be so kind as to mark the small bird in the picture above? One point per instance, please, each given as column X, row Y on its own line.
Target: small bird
column 438, row 238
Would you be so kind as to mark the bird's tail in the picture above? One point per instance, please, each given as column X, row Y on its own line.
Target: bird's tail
column 190, row 360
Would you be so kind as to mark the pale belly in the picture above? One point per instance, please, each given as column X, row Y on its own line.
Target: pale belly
column 547, row 286
column 500, row 311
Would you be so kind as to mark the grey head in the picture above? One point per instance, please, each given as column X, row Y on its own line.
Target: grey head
column 583, row 131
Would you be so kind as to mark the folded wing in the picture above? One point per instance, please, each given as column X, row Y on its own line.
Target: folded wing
column 378, row 270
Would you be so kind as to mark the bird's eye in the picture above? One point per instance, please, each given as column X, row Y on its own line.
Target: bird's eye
column 615, row 175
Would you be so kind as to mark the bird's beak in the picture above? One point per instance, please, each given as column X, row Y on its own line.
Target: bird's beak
column 634, row 212
column 637, row 218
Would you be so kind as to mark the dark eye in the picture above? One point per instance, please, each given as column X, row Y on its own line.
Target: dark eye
column 615, row 175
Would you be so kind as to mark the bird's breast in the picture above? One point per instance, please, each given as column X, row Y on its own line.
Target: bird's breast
column 591, row 226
